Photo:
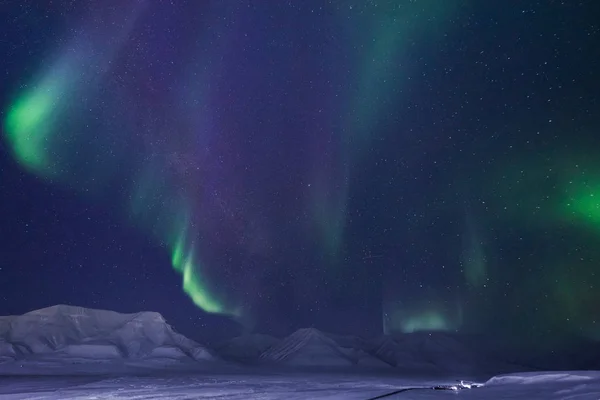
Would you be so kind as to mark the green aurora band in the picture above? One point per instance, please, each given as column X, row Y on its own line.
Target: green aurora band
column 29, row 123
column 396, row 26
column 184, row 261
column 552, row 200
column 474, row 258
column 35, row 132
column 159, row 209
column 416, row 316
column 584, row 202
column 430, row 320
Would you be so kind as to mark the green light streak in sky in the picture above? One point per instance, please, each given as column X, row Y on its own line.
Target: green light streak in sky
column 40, row 132
column 398, row 27
column 26, row 132
column 395, row 27
column 184, row 261
column 475, row 265
column 422, row 315
column 428, row 321
column 329, row 211
column 553, row 198
column 474, row 258
column 584, row 203
column 31, row 119
column 546, row 190
column 158, row 208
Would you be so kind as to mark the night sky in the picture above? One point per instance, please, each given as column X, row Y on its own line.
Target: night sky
column 357, row 166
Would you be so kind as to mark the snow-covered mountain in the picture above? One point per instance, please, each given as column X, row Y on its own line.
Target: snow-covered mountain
column 88, row 334
column 311, row 347
column 62, row 336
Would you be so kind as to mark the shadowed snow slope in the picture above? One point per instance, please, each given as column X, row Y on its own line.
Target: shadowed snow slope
column 439, row 351
column 76, row 332
column 310, row 347
column 246, row 348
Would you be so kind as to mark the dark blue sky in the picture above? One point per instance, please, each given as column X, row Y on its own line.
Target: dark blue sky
column 348, row 166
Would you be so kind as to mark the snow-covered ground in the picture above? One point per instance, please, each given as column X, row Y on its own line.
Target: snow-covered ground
column 531, row 386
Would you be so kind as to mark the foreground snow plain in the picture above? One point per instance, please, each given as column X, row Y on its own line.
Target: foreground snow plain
column 296, row 386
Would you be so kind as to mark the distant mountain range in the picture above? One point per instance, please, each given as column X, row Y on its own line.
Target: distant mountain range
column 68, row 338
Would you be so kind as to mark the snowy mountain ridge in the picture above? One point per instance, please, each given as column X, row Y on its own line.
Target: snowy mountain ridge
column 298, row 340
column 67, row 335
column 311, row 347
column 96, row 334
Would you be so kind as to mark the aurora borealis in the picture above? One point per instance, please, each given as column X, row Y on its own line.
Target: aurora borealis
column 274, row 165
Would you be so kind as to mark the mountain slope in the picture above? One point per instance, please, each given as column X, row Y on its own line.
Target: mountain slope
column 246, row 348
column 310, row 347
